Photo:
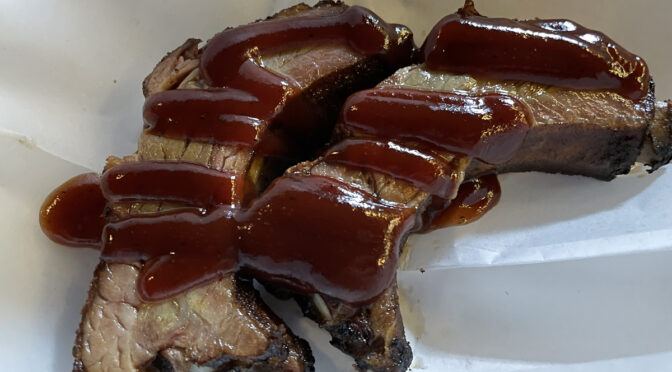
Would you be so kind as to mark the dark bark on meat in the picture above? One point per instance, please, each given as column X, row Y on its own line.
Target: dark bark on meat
column 579, row 149
column 373, row 335
column 657, row 148
column 573, row 150
column 285, row 351
column 282, row 352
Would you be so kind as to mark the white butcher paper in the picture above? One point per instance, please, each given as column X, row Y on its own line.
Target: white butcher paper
column 565, row 274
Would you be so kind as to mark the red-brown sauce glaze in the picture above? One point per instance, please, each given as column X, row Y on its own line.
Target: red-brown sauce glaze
column 357, row 27
column 313, row 234
column 220, row 116
column 73, row 213
column 555, row 52
column 180, row 249
column 474, row 199
column 247, row 97
column 421, row 167
column 318, row 235
column 489, row 127
column 187, row 183
column 309, row 234
column 189, row 246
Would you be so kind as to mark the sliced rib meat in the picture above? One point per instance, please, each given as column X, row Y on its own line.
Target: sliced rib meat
column 589, row 133
column 595, row 134
column 223, row 324
column 374, row 334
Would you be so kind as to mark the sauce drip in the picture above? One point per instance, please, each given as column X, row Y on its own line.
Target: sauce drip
column 474, row 199
column 248, row 98
column 73, row 213
column 186, row 183
column 422, row 168
column 488, row 127
column 310, row 234
column 554, row 52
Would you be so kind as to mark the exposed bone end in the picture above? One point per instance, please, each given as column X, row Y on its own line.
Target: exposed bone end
column 321, row 307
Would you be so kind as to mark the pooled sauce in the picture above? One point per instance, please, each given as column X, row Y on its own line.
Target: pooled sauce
column 309, row 234
column 247, row 96
column 554, row 52
column 73, row 213
column 420, row 167
column 474, row 199
column 187, row 183
column 488, row 127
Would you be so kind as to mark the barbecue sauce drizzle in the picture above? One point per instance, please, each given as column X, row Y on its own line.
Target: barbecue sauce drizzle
column 306, row 246
column 488, row 127
column 309, row 233
column 474, row 199
column 246, row 97
column 555, row 52
column 421, row 167
column 177, row 182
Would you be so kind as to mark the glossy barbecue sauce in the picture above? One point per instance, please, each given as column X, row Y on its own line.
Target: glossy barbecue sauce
column 489, row 127
column 73, row 214
column 179, row 182
column 313, row 234
column 555, row 52
column 224, row 116
column 246, row 97
column 180, row 249
column 474, row 199
column 421, row 167
column 308, row 234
